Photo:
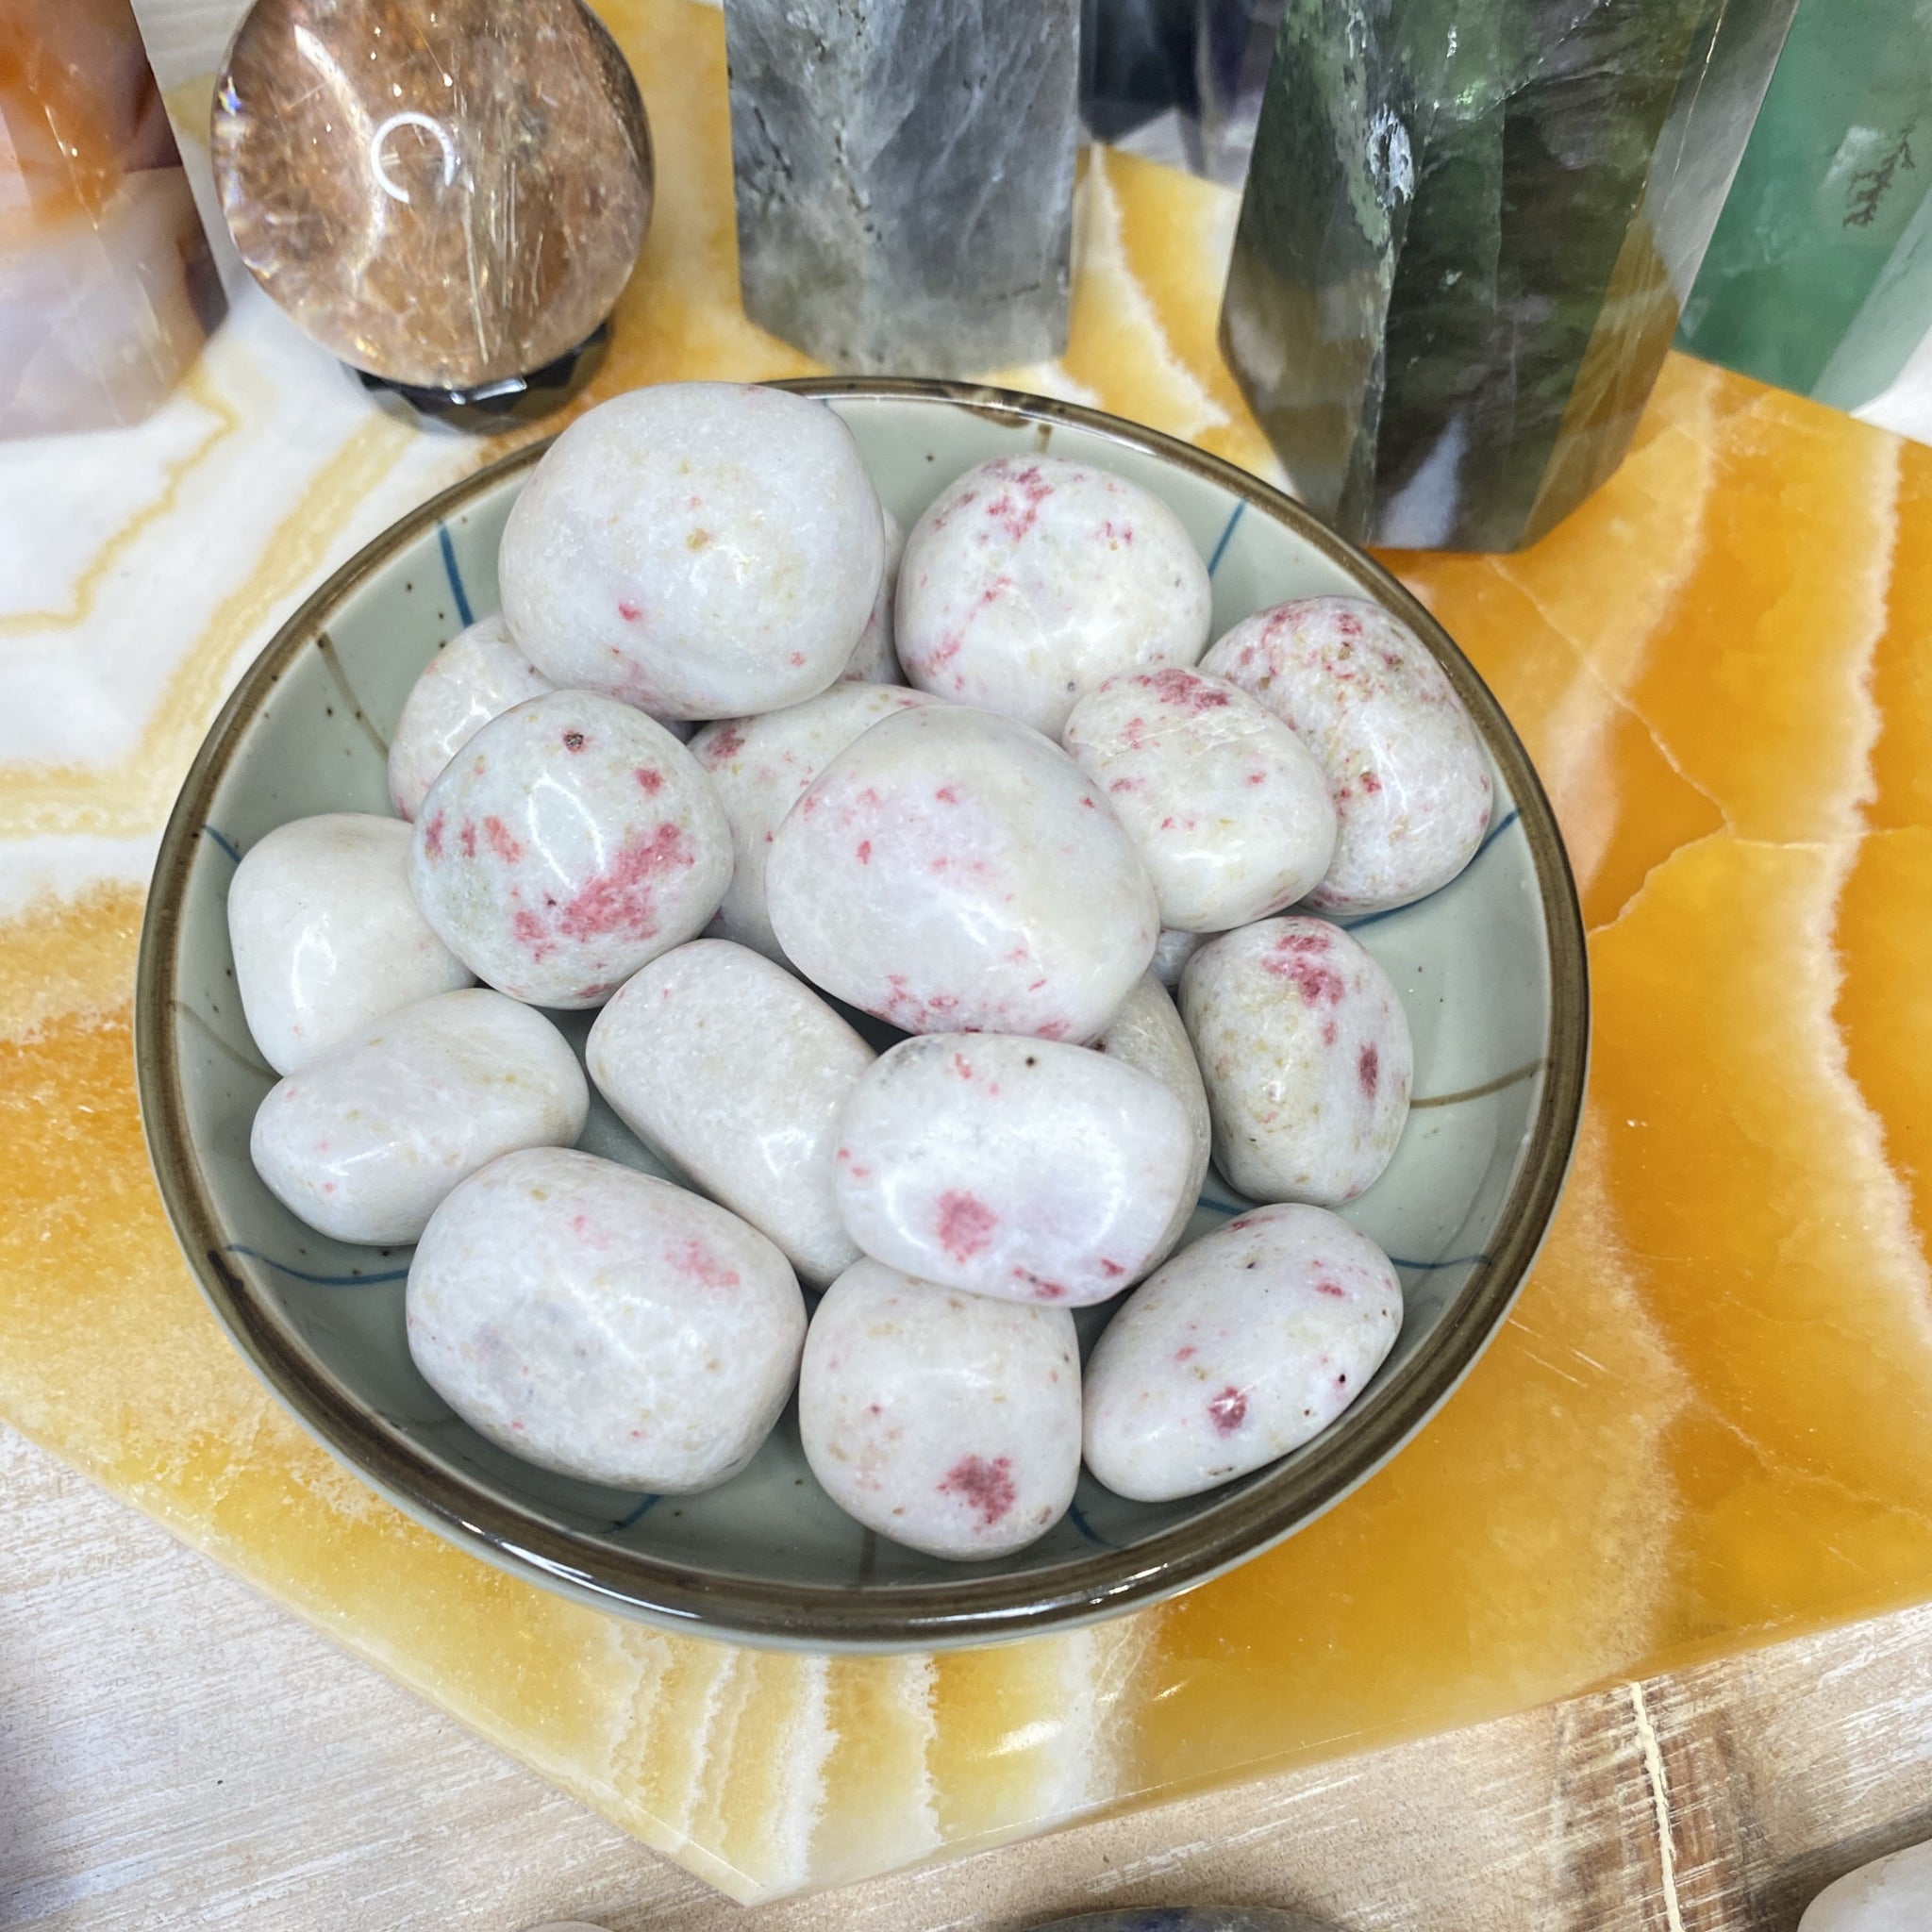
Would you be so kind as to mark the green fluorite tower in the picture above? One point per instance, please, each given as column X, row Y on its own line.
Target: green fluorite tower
column 1468, row 232
column 1818, row 277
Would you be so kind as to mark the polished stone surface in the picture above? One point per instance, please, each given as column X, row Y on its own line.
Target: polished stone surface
column 447, row 199
column 1819, row 275
column 1466, row 236
column 905, row 178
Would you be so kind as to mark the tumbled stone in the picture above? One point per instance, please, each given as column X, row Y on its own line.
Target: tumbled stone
column 1892, row 1894
column 905, row 178
column 447, row 199
column 1465, row 238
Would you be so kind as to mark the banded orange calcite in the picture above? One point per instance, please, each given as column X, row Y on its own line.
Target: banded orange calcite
column 1707, row 1422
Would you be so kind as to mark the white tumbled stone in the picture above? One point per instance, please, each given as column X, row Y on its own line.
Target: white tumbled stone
column 737, row 1074
column 605, row 1323
column 328, row 936
column 365, row 1143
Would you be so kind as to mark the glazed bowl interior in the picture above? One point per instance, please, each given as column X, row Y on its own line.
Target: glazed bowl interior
column 1490, row 971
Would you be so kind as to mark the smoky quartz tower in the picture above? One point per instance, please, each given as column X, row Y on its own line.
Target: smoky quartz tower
column 904, row 178
column 1468, row 231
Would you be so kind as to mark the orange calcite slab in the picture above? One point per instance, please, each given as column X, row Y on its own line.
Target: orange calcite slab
column 1707, row 1422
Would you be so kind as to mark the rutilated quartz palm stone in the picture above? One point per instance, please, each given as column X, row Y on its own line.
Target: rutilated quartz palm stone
column 1466, row 233
column 448, row 196
column 1818, row 277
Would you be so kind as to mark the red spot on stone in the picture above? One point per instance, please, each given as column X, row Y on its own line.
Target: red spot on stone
column 870, row 799
column 987, row 1487
column 1112, row 1270
column 798, row 656
column 1332, row 1290
column 726, row 744
column 1327, row 1032
column 1187, row 1353
column 1245, row 1221
column 573, row 741
column 432, row 835
column 1185, row 691
column 501, row 842
column 961, row 1066
column 1124, row 785
column 946, row 796
column 528, row 931
column 865, row 851
column 965, row 1224
column 1300, row 957
column 1016, row 508
column 650, row 782
column 1052, row 1029
column 1227, row 1411
column 467, row 838
column 1044, row 1290
column 1371, row 783
column 1258, row 777
column 627, row 610
column 1088, row 802
column 1368, row 1070
column 619, row 900
column 693, row 1259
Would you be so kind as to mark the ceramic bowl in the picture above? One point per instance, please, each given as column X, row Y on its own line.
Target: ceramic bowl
column 1490, row 970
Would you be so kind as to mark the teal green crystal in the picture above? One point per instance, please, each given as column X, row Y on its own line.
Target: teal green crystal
column 1818, row 277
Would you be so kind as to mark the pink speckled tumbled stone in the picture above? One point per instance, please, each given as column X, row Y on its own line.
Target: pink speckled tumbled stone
column 699, row 549
column 1228, row 809
column 944, row 1421
column 605, row 1323
column 953, row 870
column 1032, row 579
column 477, row 676
column 1012, row 1167
column 571, row 841
column 759, row 768
column 1244, row 1346
column 1305, row 1054
column 1405, row 768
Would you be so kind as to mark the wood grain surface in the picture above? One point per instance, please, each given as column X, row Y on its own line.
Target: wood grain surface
column 176, row 1751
